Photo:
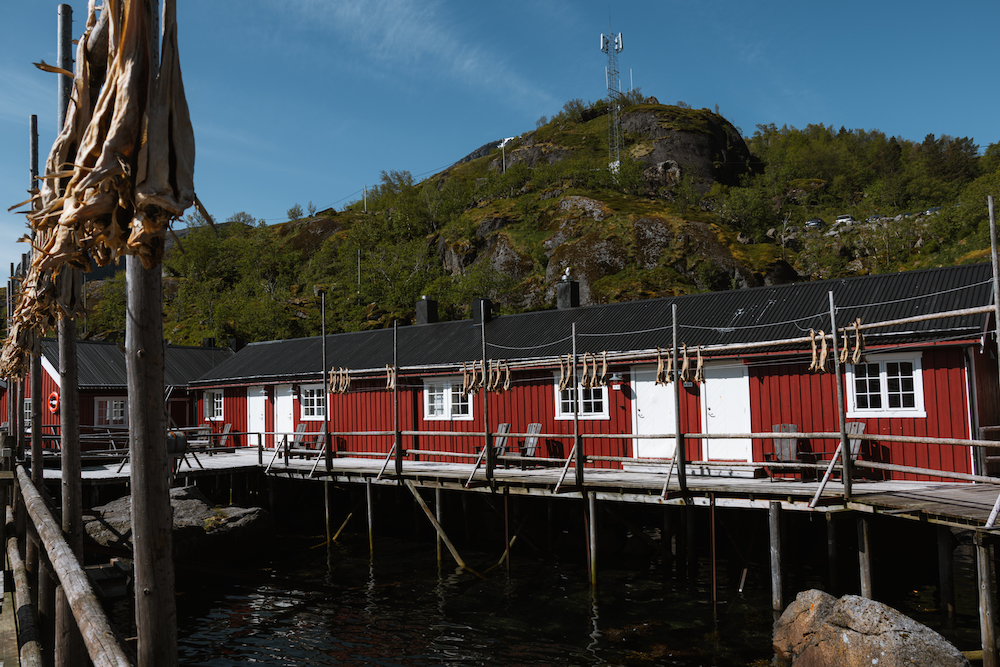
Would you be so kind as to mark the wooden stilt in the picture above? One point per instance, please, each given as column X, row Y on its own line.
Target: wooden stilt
column 371, row 519
column 592, row 512
column 987, row 600
column 681, row 550
column 831, row 553
column 69, row 648
column 667, row 540
column 864, row 557
column 437, row 526
column 711, row 540
column 777, row 574
column 506, row 527
column 691, row 545
column 946, row 571
column 46, row 599
column 326, row 513
column 439, row 514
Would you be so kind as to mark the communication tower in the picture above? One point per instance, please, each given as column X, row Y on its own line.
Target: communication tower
column 612, row 45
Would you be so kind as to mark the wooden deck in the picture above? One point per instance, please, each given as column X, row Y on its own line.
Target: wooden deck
column 958, row 504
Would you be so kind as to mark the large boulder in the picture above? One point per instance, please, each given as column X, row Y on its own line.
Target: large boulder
column 818, row 630
column 200, row 529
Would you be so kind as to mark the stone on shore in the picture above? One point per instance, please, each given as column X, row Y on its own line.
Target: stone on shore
column 819, row 630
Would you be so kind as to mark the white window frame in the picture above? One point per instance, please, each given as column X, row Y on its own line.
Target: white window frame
column 110, row 401
column 27, row 413
column 312, row 403
column 444, row 401
column 586, row 405
column 214, row 405
column 917, row 411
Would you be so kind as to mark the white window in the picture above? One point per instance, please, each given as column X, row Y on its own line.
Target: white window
column 593, row 402
column 888, row 385
column 444, row 400
column 213, row 405
column 27, row 413
column 110, row 411
column 312, row 402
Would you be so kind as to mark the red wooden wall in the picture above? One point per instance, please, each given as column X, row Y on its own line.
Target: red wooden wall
column 789, row 393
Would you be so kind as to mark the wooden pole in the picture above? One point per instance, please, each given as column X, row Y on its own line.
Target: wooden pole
column 439, row 515
column 996, row 274
column 679, row 454
column 946, row 572
column 328, row 451
column 506, row 527
column 774, row 531
column 592, row 515
column 397, row 436
column 845, row 450
column 987, row 600
column 864, row 557
column 371, row 519
column 577, row 441
column 491, row 459
column 31, row 540
column 27, row 638
column 437, row 526
column 831, row 553
column 712, row 557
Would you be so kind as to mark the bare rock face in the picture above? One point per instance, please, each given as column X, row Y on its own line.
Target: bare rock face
column 818, row 630
column 200, row 530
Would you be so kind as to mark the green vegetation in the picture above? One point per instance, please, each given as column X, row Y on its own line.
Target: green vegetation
column 506, row 225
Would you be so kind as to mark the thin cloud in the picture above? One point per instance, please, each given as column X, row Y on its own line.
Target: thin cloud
column 411, row 35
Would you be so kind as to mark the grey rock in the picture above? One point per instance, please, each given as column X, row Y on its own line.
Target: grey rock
column 200, row 530
column 818, row 630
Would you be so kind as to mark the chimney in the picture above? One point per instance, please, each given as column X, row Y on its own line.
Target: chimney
column 208, row 342
column 567, row 294
column 481, row 307
column 237, row 344
column 427, row 311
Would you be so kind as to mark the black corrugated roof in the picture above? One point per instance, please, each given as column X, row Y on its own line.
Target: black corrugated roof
column 101, row 365
column 733, row 317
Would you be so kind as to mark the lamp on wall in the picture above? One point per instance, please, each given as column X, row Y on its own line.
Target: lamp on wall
column 616, row 381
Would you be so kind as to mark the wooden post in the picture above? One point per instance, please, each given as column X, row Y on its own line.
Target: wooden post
column 946, row 572
column 996, row 270
column 711, row 543
column 27, row 637
column 987, row 600
column 592, row 513
column 845, row 450
column 506, row 527
column 371, row 519
column 831, row 553
column 864, row 557
column 777, row 574
column 577, row 440
column 397, row 433
column 326, row 513
column 437, row 526
column 679, row 454
column 439, row 515
column 491, row 459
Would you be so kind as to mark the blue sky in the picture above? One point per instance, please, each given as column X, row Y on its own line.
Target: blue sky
column 298, row 101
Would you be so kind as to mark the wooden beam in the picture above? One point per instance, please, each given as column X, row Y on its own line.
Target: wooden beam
column 777, row 574
column 864, row 557
column 437, row 527
column 98, row 634
column 987, row 600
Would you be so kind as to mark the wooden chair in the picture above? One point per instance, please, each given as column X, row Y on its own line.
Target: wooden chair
column 500, row 441
column 854, row 443
column 224, row 435
column 786, row 450
column 530, row 444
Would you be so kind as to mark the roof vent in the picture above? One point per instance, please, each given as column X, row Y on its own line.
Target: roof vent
column 427, row 311
column 482, row 308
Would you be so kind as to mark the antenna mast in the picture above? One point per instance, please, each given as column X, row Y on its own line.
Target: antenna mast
column 612, row 45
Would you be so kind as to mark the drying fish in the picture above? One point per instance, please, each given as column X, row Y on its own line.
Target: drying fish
column 685, row 364
column 812, row 341
column 699, row 371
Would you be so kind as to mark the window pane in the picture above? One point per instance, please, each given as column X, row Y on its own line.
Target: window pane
column 899, row 384
column 867, row 394
column 435, row 400
column 459, row 401
column 566, row 399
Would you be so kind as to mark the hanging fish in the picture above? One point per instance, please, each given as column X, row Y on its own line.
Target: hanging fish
column 812, row 341
column 506, row 381
column 685, row 364
column 823, row 352
column 859, row 344
column 660, row 379
column 603, row 379
column 584, row 377
column 669, row 375
column 699, row 372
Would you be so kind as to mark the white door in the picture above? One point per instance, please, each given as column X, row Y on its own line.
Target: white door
column 726, row 409
column 256, row 405
column 284, row 420
column 652, row 414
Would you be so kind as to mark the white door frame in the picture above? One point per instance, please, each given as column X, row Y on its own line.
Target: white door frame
column 284, row 407
column 256, row 413
column 662, row 419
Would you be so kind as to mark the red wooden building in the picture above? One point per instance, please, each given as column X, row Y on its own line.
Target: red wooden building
column 102, row 385
column 934, row 377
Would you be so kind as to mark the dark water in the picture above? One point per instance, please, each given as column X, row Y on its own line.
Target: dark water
column 307, row 606
column 400, row 611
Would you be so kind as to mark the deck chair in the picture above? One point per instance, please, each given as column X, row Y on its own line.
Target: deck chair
column 530, row 444
column 786, row 450
column 224, row 435
column 854, row 429
column 500, row 441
